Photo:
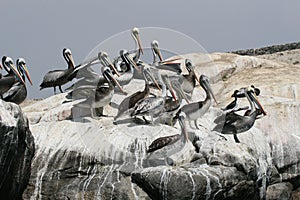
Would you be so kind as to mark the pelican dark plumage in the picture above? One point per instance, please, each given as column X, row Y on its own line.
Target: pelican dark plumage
column 234, row 105
column 168, row 145
column 196, row 110
column 128, row 65
column 18, row 92
column 59, row 77
column 153, row 106
column 235, row 123
column 100, row 96
column 130, row 101
column 12, row 76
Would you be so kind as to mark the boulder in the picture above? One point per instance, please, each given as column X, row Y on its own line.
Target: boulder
column 16, row 151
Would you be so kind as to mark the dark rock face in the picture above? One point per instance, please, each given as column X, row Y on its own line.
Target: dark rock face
column 268, row 50
column 16, row 151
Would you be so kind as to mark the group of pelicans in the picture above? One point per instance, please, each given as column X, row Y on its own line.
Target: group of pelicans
column 166, row 97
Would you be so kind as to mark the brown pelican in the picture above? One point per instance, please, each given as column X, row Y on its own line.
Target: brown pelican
column 90, row 77
column 59, row 77
column 235, row 123
column 169, row 145
column 100, row 96
column 129, row 66
column 135, row 54
column 187, row 81
column 135, row 32
column 196, row 110
column 173, row 65
column 129, row 102
column 233, row 106
column 7, row 81
column 18, row 92
column 153, row 106
column 171, row 105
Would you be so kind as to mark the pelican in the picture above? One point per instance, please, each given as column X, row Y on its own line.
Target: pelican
column 187, row 81
column 235, row 123
column 135, row 55
column 18, row 92
column 158, row 67
column 173, row 65
column 196, row 110
column 172, row 106
column 129, row 102
column 165, row 147
column 129, row 66
column 100, row 96
column 7, row 81
column 135, row 33
column 153, row 106
column 59, row 77
column 233, row 106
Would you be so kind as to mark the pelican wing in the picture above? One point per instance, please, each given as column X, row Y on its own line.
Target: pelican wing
column 147, row 105
column 162, row 142
column 53, row 76
column 192, row 107
column 13, row 91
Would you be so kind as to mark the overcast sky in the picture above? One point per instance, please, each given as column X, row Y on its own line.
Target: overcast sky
column 38, row 30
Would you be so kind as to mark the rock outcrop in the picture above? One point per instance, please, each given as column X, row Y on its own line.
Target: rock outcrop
column 16, row 151
column 83, row 158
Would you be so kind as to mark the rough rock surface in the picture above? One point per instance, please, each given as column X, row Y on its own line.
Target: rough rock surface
column 279, row 191
column 83, row 158
column 16, row 151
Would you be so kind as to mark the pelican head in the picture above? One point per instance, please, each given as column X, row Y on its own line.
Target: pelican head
column 235, row 93
column 190, row 68
column 256, row 90
column 135, row 32
column 252, row 94
column 127, row 58
column 21, row 65
column 155, row 49
column 8, row 64
column 204, row 82
column 106, row 62
column 68, row 57
column 110, row 78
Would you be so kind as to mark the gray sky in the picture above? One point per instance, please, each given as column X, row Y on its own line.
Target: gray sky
column 38, row 30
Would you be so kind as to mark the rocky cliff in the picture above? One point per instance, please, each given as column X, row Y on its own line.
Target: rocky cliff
column 16, row 151
column 83, row 158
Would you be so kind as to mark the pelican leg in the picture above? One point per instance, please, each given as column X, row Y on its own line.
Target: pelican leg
column 195, row 122
column 54, row 89
column 236, row 138
column 146, row 121
column 99, row 112
column 94, row 113
column 60, row 89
